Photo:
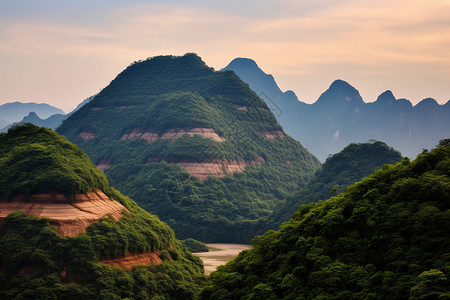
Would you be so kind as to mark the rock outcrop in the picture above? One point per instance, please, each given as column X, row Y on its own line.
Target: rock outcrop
column 71, row 218
column 171, row 134
column 104, row 164
column 216, row 167
column 86, row 136
column 273, row 134
column 131, row 259
column 241, row 107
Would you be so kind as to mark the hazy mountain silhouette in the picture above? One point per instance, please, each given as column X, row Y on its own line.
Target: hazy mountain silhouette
column 51, row 121
column 16, row 111
column 340, row 116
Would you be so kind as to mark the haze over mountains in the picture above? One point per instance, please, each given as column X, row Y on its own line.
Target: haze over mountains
column 40, row 114
column 340, row 116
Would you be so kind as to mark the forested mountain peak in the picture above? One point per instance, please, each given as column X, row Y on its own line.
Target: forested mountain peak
column 195, row 139
column 37, row 160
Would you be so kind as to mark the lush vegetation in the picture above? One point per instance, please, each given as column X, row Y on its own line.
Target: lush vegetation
column 37, row 263
column 194, row 245
column 385, row 237
column 168, row 92
column 35, row 160
column 340, row 170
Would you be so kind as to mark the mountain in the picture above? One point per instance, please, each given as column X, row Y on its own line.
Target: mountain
column 340, row 116
column 65, row 234
column 196, row 147
column 16, row 111
column 52, row 121
column 385, row 237
column 340, row 170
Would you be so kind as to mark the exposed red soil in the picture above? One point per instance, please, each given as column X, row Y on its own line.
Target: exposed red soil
column 71, row 219
column 131, row 259
column 273, row 134
column 104, row 164
column 86, row 136
column 241, row 107
column 171, row 134
column 216, row 167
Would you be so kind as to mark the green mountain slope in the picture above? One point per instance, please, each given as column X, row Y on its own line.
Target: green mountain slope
column 385, row 237
column 37, row 262
column 196, row 147
column 340, row 170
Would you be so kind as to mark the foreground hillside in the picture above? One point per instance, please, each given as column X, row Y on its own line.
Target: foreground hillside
column 385, row 237
column 65, row 234
column 196, row 147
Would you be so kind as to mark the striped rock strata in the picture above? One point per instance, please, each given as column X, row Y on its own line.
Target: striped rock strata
column 71, row 219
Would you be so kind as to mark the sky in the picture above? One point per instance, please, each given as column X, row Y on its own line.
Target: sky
column 60, row 52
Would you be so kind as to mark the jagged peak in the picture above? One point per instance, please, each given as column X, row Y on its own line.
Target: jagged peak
column 32, row 114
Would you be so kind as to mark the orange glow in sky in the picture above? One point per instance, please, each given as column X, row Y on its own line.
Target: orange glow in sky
column 61, row 52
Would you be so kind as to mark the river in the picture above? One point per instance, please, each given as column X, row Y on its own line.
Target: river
column 219, row 254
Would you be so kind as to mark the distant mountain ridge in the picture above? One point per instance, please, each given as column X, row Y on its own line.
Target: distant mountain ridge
column 40, row 114
column 340, row 116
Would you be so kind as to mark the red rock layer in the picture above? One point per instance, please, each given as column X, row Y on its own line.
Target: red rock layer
column 131, row 259
column 216, row 167
column 86, row 136
column 172, row 134
column 273, row 134
column 104, row 164
column 71, row 219
column 241, row 107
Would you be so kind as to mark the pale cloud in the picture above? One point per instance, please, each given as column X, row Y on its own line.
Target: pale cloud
column 375, row 45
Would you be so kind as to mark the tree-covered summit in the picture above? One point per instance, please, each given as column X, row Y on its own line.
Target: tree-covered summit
column 340, row 170
column 385, row 237
column 37, row 160
column 197, row 147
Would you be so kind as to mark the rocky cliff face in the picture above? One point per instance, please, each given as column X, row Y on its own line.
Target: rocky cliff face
column 71, row 219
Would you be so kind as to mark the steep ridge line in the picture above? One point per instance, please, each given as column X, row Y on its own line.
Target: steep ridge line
column 70, row 219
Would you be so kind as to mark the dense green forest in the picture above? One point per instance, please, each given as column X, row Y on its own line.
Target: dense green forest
column 385, row 237
column 340, row 170
column 37, row 263
column 168, row 92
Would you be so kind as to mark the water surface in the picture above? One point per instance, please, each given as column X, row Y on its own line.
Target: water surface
column 219, row 254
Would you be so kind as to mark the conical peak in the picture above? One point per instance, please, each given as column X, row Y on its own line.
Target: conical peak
column 340, row 92
column 242, row 62
column 386, row 98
